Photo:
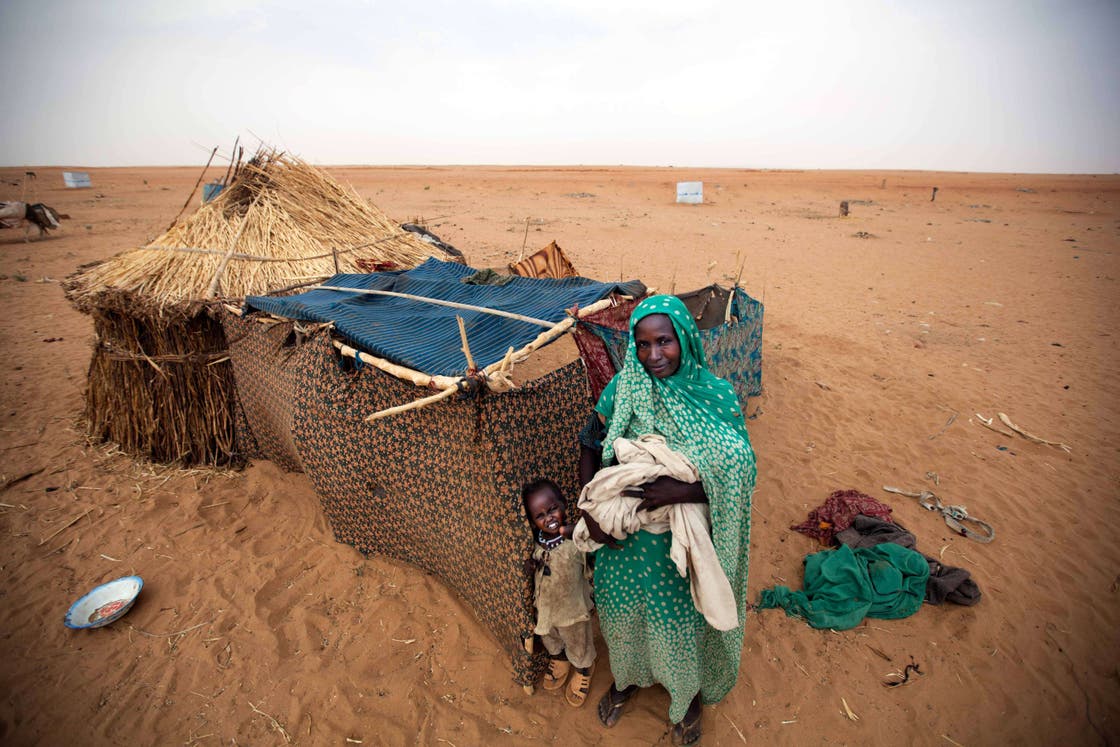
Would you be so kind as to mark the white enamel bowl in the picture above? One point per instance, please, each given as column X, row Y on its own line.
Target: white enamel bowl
column 104, row 604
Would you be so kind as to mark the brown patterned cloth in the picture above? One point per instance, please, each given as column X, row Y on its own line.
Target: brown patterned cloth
column 837, row 513
column 440, row 487
column 550, row 262
column 266, row 363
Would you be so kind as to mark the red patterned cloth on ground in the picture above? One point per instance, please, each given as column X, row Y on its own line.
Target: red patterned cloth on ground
column 838, row 511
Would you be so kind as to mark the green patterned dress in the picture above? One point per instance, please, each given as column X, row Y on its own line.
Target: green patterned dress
column 653, row 632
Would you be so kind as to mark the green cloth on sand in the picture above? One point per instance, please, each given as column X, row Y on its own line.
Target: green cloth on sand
column 653, row 632
column 843, row 586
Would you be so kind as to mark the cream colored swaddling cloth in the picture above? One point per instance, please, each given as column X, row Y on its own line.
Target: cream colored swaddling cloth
column 641, row 461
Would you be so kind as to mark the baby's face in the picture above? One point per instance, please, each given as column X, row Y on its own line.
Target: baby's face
column 546, row 510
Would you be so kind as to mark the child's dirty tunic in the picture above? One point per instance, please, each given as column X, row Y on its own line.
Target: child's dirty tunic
column 563, row 601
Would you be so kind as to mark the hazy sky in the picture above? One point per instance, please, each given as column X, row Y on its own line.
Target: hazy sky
column 964, row 85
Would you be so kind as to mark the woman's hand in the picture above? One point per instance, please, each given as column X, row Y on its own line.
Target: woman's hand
column 597, row 532
column 667, row 491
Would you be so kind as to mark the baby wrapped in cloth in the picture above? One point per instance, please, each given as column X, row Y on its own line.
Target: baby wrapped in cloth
column 641, row 461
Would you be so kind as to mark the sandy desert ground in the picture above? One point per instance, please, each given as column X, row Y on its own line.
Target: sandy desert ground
column 256, row 627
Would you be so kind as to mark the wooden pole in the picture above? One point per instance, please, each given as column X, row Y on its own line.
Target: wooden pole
column 401, row 372
column 524, row 241
column 466, row 345
column 237, row 168
column 232, row 156
column 212, row 291
column 200, row 178
column 414, row 405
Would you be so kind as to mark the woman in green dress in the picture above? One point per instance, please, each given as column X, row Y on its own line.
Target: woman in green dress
column 653, row 632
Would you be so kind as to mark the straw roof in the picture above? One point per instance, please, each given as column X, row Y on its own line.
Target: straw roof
column 280, row 222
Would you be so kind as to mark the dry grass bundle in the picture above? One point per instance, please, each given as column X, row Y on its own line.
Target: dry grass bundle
column 159, row 382
column 163, row 391
column 280, row 222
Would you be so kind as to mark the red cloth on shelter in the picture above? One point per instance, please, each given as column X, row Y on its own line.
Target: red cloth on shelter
column 838, row 511
column 593, row 350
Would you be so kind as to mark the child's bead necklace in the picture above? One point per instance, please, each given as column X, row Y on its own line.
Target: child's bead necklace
column 549, row 544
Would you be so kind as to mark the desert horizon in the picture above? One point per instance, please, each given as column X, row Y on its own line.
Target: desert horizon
column 214, row 170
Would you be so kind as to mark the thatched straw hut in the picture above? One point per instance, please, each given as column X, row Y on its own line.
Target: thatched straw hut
column 160, row 382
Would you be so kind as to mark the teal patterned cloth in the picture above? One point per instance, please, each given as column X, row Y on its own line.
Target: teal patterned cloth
column 653, row 632
column 843, row 586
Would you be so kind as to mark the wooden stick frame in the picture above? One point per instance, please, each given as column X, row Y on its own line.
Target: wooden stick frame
column 497, row 376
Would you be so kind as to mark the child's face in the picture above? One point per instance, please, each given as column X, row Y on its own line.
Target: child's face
column 546, row 510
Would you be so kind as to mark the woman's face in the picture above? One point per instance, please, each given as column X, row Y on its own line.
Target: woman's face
column 659, row 350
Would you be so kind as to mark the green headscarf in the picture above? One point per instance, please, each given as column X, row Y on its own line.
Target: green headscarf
column 699, row 415
column 693, row 398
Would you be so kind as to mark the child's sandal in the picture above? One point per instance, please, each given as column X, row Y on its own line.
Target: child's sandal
column 557, row 674
column 578, row 687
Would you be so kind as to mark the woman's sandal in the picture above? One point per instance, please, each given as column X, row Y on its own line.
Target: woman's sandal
column 610, row 706
column 557, row 674
column 578, row 687
column 687, row 732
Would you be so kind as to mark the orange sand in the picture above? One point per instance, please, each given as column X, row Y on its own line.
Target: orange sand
column 1000, row 296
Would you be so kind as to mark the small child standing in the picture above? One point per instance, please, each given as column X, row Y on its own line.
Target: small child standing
column 562, row 593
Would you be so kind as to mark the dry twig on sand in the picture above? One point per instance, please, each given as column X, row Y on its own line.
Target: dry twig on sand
column 275, row 723
column 1030, row 437
column 64, row 526
column 736, row 728
column 989, row 423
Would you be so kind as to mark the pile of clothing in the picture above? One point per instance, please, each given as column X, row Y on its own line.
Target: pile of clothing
column 875, row 572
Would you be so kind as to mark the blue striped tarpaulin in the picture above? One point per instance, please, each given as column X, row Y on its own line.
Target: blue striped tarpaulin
column 424, row 336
